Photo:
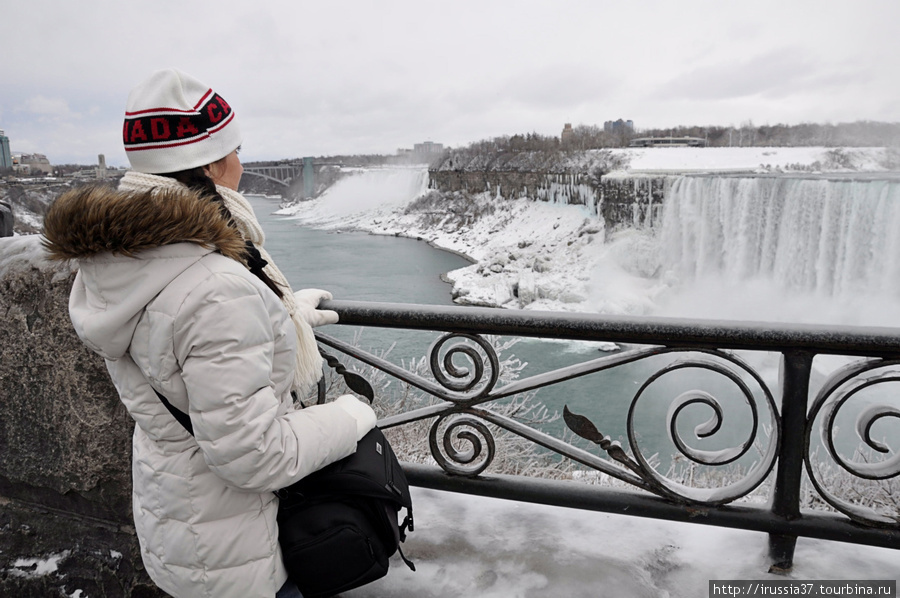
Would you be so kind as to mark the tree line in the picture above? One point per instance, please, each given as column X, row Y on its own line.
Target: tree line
column 591, row 137
column 584, row 137
column 862, row 133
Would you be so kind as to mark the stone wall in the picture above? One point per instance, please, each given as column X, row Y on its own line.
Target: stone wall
column 7, row 220
column 29, row 202
column 622, row 201
column 633, row 201
column 65, row 446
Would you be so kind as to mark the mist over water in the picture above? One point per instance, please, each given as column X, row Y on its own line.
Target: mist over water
column 374, row 188
column 782, row 249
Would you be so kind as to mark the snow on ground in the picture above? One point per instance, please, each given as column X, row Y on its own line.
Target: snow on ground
column 490, row 548
column 741, row 159
column 724, row 159
column 20, row 253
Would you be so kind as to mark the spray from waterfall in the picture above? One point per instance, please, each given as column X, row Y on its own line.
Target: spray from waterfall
column 369, row 189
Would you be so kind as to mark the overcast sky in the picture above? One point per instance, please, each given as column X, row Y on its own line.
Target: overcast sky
column 331, row 77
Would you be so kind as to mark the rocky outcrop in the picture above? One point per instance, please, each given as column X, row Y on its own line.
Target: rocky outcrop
column 29, row 202
column 632, row 201
column 620, row 200
column 65, row 446
column 7, row 220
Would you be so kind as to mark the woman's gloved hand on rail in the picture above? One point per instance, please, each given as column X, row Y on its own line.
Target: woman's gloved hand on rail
column 307, row 306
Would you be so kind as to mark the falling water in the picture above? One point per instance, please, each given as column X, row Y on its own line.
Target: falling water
column 372, row 188
column 816, row 250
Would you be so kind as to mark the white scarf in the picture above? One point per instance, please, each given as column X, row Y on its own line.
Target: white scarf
column 308, row 366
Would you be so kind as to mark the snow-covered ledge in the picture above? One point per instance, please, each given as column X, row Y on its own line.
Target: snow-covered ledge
column 65, row 445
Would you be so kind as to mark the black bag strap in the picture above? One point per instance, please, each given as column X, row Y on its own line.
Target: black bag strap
column 178, row 414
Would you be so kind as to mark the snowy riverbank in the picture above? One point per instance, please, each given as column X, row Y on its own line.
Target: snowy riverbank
column 526, row 254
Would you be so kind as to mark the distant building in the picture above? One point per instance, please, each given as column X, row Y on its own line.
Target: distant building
column 618, row 126
column 102, row 172
column 567, row 134
column 5, row 155
column 427, row 151
column 32, row 164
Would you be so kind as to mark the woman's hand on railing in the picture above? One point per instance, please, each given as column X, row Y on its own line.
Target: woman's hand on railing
column 307, row 303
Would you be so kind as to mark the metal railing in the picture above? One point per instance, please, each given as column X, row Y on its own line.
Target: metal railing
column 775, row 451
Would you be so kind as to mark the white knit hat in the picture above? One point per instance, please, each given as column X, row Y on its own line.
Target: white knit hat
column 174, row 122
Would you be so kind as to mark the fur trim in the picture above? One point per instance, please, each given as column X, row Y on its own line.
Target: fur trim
column 90, row 220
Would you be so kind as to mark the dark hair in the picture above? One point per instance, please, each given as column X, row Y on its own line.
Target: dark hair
column 196, row 179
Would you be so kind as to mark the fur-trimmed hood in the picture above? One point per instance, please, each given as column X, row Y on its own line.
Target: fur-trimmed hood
column 129, row 246
column 91, row 220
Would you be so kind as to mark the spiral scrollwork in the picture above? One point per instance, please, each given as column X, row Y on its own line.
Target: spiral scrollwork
column 461, row 444
column 859, row 390
column 479, row 356
column 734, row 371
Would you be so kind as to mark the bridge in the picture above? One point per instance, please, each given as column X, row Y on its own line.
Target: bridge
column 282, row 174
column 287, row 173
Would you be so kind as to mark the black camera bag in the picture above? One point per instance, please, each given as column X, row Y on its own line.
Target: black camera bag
column 338, row 526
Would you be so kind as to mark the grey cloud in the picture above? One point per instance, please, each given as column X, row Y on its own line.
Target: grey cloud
column 774, row 74
column 558, row 86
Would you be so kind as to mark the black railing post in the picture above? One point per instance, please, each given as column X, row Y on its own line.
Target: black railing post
column 795, row 370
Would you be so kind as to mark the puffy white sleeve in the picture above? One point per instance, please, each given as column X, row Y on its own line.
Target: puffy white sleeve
column 225, row 343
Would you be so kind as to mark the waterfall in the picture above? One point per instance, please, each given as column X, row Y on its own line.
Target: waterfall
column 825, row 245
column 827, row 237
column 372, row 188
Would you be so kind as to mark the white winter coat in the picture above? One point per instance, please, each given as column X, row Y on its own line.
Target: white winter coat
column 195, row 325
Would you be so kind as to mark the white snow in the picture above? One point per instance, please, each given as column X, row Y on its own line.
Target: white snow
column 724, row 159
column 490, row 548
column 20, row 252
column 37, row 567
column 534, row 246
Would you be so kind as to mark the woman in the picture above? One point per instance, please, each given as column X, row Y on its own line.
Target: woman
column 175, row 291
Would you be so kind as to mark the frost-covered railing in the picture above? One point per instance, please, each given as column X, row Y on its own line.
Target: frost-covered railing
column 784, row 430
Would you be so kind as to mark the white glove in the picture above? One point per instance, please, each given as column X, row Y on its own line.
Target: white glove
column 358, row 410
column 307, row 302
